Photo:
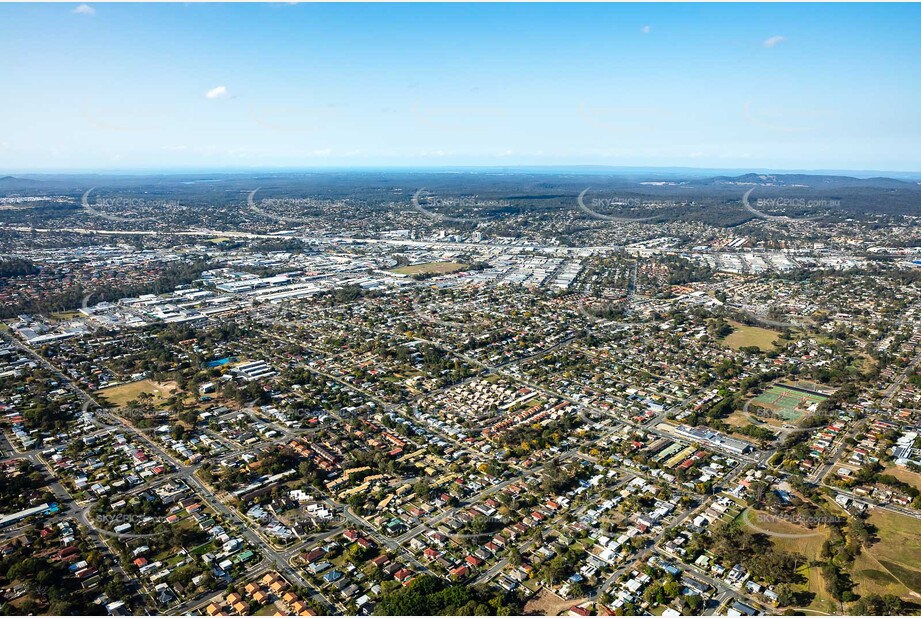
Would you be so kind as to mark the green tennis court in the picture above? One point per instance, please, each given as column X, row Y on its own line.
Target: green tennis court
column 788, row 403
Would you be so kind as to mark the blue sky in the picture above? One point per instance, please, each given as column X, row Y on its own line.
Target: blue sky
column 778, row 86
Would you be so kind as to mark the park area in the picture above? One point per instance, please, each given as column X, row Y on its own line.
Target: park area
column 890, row 566
column 123, row 393
column 792, row 537
column 788, row 402
column 743, row 336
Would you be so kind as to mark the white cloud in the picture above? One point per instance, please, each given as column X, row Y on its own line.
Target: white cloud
column 646, row 29
column 84, row 9
column 216, row 93
column 774, row 41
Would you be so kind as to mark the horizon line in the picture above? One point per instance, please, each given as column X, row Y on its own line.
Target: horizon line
column 230, row 170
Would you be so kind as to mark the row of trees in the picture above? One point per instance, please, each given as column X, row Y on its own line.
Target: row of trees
column 431, row 596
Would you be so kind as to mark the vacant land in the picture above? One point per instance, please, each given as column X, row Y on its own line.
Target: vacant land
column 799, row 539
column 743, row 336
column 430, row 268
column 123, row 393
column 808, row 545
column 907, row 476
column 546, row 603
column 738, row 419
column 890, row 566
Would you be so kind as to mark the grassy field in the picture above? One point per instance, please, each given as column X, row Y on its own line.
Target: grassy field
column 430, row 268
column 745, row 336
column 890, row 566
column 123, row 393
column 738, row 419
column 65, row 315
column 907, row 476
column 809, row 546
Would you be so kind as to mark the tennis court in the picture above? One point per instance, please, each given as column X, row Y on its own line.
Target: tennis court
column 788, row 403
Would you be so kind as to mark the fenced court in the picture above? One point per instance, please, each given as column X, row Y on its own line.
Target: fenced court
column 787, row 402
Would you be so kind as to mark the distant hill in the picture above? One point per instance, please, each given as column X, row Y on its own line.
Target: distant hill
column 13, row 183
column 52, row 184
column 814, row 181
